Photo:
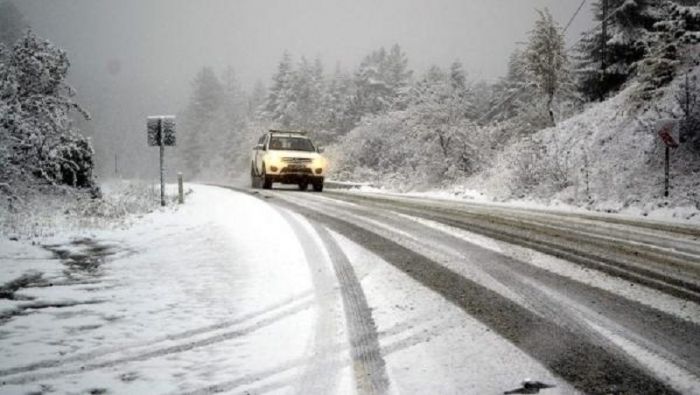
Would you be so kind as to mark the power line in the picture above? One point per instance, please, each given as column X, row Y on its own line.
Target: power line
column 610, row 15
column 489, row 114
column 574, row 16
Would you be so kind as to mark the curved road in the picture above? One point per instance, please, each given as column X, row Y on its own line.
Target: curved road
column 607, row 305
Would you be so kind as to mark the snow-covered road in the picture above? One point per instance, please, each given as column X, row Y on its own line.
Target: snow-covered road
column 281, row 291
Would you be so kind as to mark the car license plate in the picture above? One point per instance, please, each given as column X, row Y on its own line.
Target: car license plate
column 296, row 167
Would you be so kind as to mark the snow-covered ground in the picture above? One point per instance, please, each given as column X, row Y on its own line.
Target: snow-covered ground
column 215, row 291
column 228, row 293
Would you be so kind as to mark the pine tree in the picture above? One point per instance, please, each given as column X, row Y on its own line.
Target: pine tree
column 279, row 106
column 256, row 98
column 545, row 58
column 380, row 80
column 307, row 94
column 203, row 120
column 607, row 55
column 673, row 37
column 458, row 77
column 234, row 100
column 397, row 73
column 338, row 116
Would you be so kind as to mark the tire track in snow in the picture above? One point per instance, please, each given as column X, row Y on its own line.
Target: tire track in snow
column 585, row 364
column 265, row 377
column 569, row 246
column 161, row 351
column 322, row 374
column 85, row 356
column 368, row 364
column 563, row 300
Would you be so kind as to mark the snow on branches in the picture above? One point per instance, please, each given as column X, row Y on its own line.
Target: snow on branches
column 545, row 58
column 39, row 139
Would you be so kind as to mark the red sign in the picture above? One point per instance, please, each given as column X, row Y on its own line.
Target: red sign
column 665, row 134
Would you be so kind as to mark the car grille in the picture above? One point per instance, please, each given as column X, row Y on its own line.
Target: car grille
column 296, row 160
column 297, row 171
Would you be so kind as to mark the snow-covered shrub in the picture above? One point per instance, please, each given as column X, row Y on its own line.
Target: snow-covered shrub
column 56, row 209
column 415, row 148
column 541, row 167
column 36, row 106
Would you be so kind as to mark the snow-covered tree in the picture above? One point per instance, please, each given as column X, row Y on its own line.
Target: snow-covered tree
column 36, row 105
column 203, row 121
column 546, row 62
column 688, row 99
column 307, row 95
column 380, row 80
column 256, row 98
column 234, row 98
column 458, row 77
column 673, row 40
column 630, row 34
column 280, row 104
column 338, row 104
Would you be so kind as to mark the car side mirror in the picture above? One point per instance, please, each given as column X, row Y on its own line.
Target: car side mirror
column 259, row 147
column 320, row 150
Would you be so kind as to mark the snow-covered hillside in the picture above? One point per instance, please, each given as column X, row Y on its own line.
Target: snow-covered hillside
column 609, row 157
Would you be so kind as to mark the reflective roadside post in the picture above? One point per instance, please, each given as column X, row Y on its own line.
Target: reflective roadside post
column 161, row 133
column 180, row 189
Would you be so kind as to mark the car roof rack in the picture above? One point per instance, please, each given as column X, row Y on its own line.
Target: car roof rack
column 303, row 133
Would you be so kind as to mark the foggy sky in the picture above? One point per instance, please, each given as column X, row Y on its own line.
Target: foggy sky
column 135, row 57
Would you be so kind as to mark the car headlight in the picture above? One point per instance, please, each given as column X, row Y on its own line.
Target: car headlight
column 274, row 160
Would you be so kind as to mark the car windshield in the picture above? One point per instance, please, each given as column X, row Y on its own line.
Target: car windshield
column 291, row 144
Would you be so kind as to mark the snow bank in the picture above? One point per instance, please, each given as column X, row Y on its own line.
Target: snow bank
column 45, row 211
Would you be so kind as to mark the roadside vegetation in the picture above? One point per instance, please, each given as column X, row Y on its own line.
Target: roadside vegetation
column 573, row 123
column 46, row 164
column 40, row 146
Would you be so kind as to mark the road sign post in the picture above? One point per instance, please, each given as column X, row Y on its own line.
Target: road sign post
column 666, row 130
column 161, row 133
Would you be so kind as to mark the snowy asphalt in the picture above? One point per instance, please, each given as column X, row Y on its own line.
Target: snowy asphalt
column 256, row 291
column 563, row 323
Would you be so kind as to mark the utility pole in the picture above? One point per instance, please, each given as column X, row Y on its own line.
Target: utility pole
column 603, row 45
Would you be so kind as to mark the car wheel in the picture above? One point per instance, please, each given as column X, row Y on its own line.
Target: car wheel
column 318, row 186
column 304, row 185
column 266, row 181
column 253, row 178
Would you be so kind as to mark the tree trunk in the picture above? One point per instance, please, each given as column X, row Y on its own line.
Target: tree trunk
column 550, row 100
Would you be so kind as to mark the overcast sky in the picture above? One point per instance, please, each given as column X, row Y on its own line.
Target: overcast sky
column 168, row 40
column 131, row 58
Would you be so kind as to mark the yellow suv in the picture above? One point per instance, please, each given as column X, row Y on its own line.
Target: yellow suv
column 287, row 157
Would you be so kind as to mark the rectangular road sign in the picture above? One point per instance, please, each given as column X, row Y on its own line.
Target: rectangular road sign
column 166, row 123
